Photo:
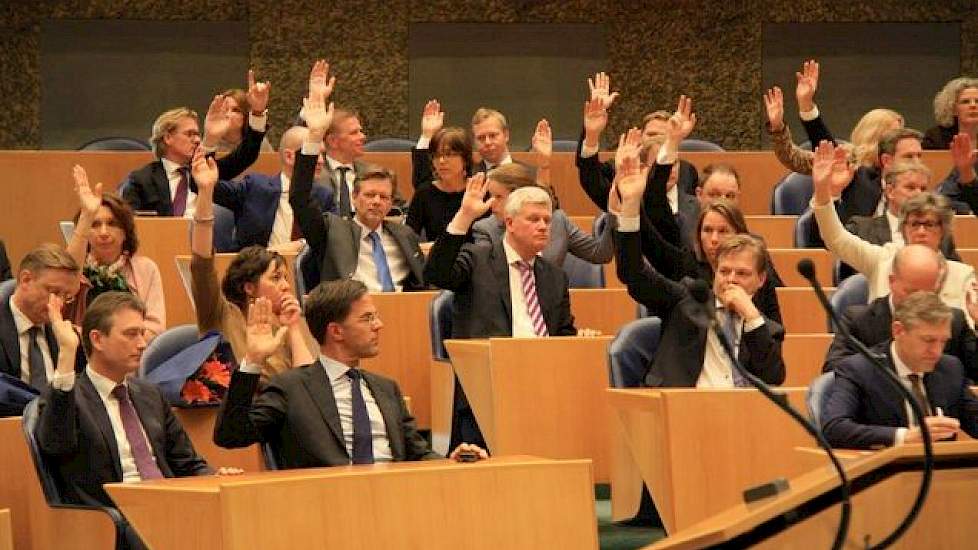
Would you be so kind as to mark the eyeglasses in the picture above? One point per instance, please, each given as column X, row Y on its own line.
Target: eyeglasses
column 66, row 297
column 929, row 225
column 369, row 318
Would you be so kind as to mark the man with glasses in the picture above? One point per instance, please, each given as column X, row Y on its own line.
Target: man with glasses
column 332, row 412
column 29, row 349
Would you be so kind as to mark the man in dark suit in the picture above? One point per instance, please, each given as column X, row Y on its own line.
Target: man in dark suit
column 863, row 410
column 165, row 186
column 260, row 203
column 384, row 255
column 28, row 349
column 329, row 413
column 915, row 268
column 102, row 426
column 689, row 353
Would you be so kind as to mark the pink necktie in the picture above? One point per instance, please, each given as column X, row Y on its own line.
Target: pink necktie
column 180, row 197
column 137, row 443
column 530, row 296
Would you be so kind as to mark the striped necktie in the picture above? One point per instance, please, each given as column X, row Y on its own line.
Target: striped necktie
column 529, row 285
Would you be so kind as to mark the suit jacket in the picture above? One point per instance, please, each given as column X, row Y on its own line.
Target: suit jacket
column 871, row 325
column 678, row 360
column 335, row 241
column 479, row 276
column 149, row 189
column 254, row 202
column 296, row 412
column 5, row 272
column 328, row 178
column 10, row 342
column 565, row 236
column 75, row 433
column 863, row 410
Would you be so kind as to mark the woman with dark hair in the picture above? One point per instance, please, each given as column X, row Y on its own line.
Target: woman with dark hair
column 238, row 108
column 105, row 243
column 436, row 201
column 255, row 272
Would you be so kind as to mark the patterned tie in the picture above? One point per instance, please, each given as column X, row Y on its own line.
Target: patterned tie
column 134, row 434
column 344, row 192
column 730, row 321
column 530, row 296
column 363, row 443
column 180, row 197
column 380, row 262
column 35, row 359
column 918, row 392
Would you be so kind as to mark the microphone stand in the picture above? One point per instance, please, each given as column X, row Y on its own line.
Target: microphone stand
column 894, row 380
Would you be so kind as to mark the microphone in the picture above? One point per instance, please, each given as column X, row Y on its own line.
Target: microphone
column 700, row 291
column 806, row 268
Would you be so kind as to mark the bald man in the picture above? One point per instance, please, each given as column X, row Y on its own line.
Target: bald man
column 915, row 267
column 260, row 203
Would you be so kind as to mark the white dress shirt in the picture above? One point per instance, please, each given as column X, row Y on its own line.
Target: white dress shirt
column 904, row 372
column 367, row 269
column 23, row 326
column 894, row 222
column 284, row 217
column 522, row 324
column 351, row 175
column 717, row 367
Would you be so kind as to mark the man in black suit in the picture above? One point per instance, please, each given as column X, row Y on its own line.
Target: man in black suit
column 28, row 348
column 165, row 186
column 384, row 255
column 101, row 425
column 915, row 268
column 689, row 353
column 863, row 410
column 329, row 413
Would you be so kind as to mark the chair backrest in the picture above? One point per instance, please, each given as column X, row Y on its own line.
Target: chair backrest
column 693, row 145
column 116, row 144
column 224, row 240
column 440, row 323
column 583, row 274
column 166, row 345
column 851, row 291
column 45, row 473
column 805, row 230
column 815, row 397
column 389, row 145
column 792, row 194
column 632, row 350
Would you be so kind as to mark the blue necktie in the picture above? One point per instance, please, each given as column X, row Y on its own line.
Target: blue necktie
column 363, row 444
column 35, row 359
column 380, row 261
column 730, row 320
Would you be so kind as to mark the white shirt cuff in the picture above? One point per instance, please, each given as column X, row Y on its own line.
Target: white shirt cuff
column 628, row 224
column 423, row 143
column 258, row 122
column 809, row 115
column 63, row 381
column 311, row 148
column 588, row 152
column 248, row 368
column 899, row 437
column 666, row 157
column 453, row 229
column 755, row 324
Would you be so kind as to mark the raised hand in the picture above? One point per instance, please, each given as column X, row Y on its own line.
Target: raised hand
column 474, row 202
column 774, row 104
column 317, row 115
column 290, row 312
column 258, row 93
column 543, row 139
column 682, row 122
column 217, row 121
column 89, row 200
column 628, row 187
column 595, row 120
column 204, row 170
column 964, row 156
column 600, row 87
column 842, row 171
column 432, row 118
column 263, row 340
column 807, row 85
column 822, row 164
column 320, row 83
column 628, row 146
column 64, row 331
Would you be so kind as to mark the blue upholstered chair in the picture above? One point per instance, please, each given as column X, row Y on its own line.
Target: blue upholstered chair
column 440, row 323
column 630, row 353
column 815, row 397
column 792, row 194
column 853, row 290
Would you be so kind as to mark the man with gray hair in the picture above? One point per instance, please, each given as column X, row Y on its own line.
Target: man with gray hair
column 862, row 410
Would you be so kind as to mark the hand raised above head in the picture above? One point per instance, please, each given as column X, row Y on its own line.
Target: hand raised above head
column 600, row 88
column 807, row 85
column 595, row 117
column 64, row 331
column 317, row 115
column 822, row 164
column 89, row 200
column 432, row 118
column 320, row 83
column 258, row 93
column 217, row 121
column 543, row 138
column 203, row 167
column 682, row 122
column 774, row 106
column 474, row 202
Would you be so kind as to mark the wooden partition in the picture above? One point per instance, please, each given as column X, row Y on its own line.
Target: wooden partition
column 518, row 503
column 786, row 262
column 801, row 312
column 542, row 396
column 804, row 355
column 6, row 536
column 199, row 425
column 15, row 469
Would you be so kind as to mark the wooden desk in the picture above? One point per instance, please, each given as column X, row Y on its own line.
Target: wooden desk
column 778, row 231
column 509, row 502
column 786, row 262
column 803, row 357
column 800, row 310
column 605, row 309
column 199, row 425
column 541, row 396
column 697, row 450
column 16, row 474
column 6, row 536
column 965, row 231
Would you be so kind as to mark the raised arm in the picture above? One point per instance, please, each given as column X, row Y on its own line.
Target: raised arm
column 318, row 118
column 960, row 184
column 660, row 214
column 448, row 266
column 89, row 202
column 595, row 182
column 57, row 425
column 791, row 156
column 543, row 144
column 432, row 120
column 811, row 119
column 246, row 153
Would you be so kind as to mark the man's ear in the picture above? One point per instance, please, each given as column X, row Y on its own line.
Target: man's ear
column 334, row 331
column 898, row 328
column 95, row 337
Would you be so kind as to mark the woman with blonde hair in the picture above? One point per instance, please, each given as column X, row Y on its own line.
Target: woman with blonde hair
column 869, row 130
column 956, row 111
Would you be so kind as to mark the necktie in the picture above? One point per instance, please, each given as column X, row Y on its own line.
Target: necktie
column 730, row 321
column 35, row 360
column 134, row 434
column 363, row 444
column 180, row 197
column 344, row 192
column 529, row 284
column 380, row 262
column 918, row 392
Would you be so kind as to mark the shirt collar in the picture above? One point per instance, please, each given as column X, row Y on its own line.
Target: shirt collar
column 902, row 369
column 286, row 182
column 170, row 167
column 508, row 159
column 892, row 221
column 512, row 256
column 103, row 385
column 364, row 230
column 672, row 196
column 334, row 369
column 23, row 323
column 334, row 164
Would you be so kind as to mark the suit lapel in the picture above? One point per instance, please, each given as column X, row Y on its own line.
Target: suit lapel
column 355, row 235
column 890, row 397
column 318, row 385
column 501, row 270
column 417, row 269
column 390, row 410
column 101, row 418
column 8, row 335
column 163, row 186
column 547, row 294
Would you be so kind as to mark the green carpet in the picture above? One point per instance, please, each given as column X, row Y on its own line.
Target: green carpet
column 614, row 536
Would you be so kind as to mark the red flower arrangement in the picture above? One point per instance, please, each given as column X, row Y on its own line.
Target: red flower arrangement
column 209, row 383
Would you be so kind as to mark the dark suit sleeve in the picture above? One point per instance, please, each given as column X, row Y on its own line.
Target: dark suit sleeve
column 657, row 204
column 421, row 171
column 243, row 156
column 4, row 264
column 645, row 285
column 957, row 191
column 131, row 193
column 840, row 413
column 764, row 352
column 817, row 131
column 245, row 419
column 593, row 177
column 565, row 325
column 841, row 349
column 417, row 218
column 766, row 297
column 479, row 233
column 966, row 409
column 230, row 194
column 965, row 345
column 57, row 423
column 415, row 445
column 180, row 453
column 689, row 178
column 310, row 219
column 450, row 263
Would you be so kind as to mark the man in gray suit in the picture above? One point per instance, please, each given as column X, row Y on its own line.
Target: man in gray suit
column 383, row 255
column 329, row 413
